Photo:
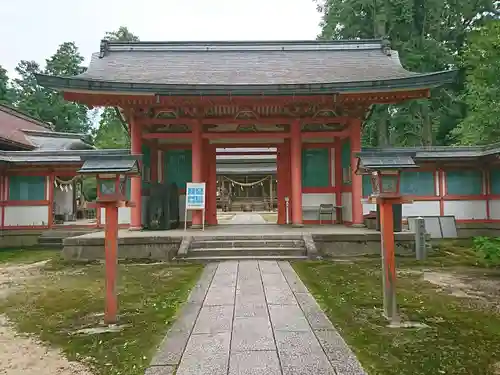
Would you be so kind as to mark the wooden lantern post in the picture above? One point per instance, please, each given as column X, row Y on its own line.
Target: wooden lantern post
column 384, row 171
column 112, row 172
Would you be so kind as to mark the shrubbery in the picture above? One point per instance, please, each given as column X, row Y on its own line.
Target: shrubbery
column 488, row 250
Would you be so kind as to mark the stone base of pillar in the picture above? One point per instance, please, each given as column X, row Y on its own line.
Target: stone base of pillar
column 132, row 229
column 196, row 226
column 298, row 225
column 358, row 225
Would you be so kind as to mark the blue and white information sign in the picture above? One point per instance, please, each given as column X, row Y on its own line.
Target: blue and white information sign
column 195, row 199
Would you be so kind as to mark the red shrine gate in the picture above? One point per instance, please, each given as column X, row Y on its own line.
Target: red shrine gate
column 289, row 95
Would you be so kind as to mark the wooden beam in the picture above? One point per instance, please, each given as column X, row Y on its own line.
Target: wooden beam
column 249, row 152
column 167, row 135
column 232, row 121
column 332, row 134
column 249, row 135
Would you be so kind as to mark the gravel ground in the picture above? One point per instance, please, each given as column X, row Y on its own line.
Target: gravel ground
column 20, row 354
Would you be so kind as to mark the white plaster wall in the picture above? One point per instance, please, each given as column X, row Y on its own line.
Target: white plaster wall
column 421, row 208
column 466, row 210
column 123, row 215
column 63, row 201
column 26, row 215
column 182, row 207
column 495, row 209
column 314, row 200
column 347, row 206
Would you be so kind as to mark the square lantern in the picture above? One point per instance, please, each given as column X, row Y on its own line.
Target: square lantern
column 112, row 172
column 384, row 169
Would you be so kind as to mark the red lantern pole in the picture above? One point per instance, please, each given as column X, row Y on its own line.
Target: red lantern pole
column 111, row 259
column 388, row 259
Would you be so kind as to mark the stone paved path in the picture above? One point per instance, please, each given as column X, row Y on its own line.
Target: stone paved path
column 247, row 219
column 253, row 318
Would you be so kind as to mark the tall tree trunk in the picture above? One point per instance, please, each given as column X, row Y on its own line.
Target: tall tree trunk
column 427, row 131
column 383, row 126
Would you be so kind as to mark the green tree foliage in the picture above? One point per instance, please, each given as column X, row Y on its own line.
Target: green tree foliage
column 481, row 59
column 6, row 92
column 112, row 131
column 430, row 36
column 49, row 105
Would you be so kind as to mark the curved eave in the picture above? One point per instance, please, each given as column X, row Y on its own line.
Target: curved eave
column 415, row 82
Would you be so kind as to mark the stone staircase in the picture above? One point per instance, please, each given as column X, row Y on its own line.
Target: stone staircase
column 219, row 248
column 54, row 238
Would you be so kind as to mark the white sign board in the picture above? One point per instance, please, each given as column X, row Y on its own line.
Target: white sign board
column 195, row 199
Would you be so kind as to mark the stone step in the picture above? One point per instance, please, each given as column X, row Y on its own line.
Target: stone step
column 244, row 237
column 247, row 251
column 251, row 243
column 206, row 259
column 43, row 240
column 50, row 244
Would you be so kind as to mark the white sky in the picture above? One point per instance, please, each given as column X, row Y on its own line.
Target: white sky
column 33, row 29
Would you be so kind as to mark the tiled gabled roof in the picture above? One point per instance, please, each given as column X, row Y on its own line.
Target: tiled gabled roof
column 24, row 132
column 246, row 68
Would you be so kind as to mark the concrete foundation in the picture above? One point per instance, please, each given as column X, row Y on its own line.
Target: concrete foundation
column 19, row 238
column 329, row 240
column 334, row 246
column 83, row 249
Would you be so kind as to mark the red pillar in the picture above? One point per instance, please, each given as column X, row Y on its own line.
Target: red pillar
column 280, row 186
column 357, row 182
column 209, row 154
column 197, row 168
column 135, row 181
column 296, row 173
column 111, row 258
column 338, row 178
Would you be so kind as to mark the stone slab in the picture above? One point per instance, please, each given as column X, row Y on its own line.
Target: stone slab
column 249, row 310
column 251, row 334
column 315, row 316
column 269, row 266
column 228, row 267
column 306, row 364
column 288, row 318
column 224, row 280
column 214, row 319
column 254, row 363
column 206, row 354
column 301, row 342
column 274, row 280
column 250, row 297
column 187, row 317
column 171, row 349
column 160, row 370
column 220, row 296
column 280, row 296
column 339, row 353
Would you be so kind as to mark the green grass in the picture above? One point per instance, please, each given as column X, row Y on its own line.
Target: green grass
column 463, row 335
column 25, row 256
column 68, row 298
